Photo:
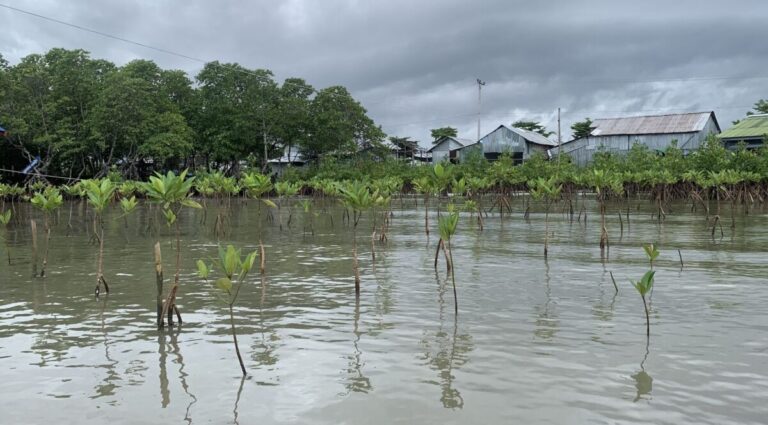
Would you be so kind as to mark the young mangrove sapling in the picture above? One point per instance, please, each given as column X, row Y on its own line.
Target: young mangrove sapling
column 357, row 197
column 644, row 286
column 5, row 219
column 172, row 192
column 235, row 269
column 447, row 224
column 48, row 201
column 99, row 195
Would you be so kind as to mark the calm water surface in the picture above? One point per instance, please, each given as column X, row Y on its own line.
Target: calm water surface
column 534, row 341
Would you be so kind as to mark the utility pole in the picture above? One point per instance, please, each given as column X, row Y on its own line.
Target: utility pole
column 480, row 85
column 559, row 139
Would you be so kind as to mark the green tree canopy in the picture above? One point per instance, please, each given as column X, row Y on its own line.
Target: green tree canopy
column 83, row 116
column 582, row 128
column 438, row 133
column 340, row 124
column 532, row 126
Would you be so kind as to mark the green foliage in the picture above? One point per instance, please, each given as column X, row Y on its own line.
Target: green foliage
column 651, row 252
column 256, row 184
column 172, row 192
column 357, row 196
column 438, row 133
column 532, row 126
column 287, row 188
column 128, row 205
column 235, row 268
column 582, row 129
column 448, row 222
column 99, row 193
column 547, row 189
column 645, row 284
column 48, row 200
column 5, row 217
column 89, row 117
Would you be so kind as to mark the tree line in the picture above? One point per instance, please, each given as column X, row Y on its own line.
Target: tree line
column 83, row 116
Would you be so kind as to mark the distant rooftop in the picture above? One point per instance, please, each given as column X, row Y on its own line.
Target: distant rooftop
column 651, row 124
column 533, row 136
column 752, row 126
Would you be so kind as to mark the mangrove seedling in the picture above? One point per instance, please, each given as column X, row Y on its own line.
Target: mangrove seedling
column 128, row 205
column 426, row 187
column 257, row 185
column 447, row 224
column 235, row 269
column 651, row 252
column 547, row 190
column 603, row 182
column 306, row 207
column 644, row 286
column 172, row 192
column 357, row 197
column 285, row 189
column 48, row 201
column 5, row 219
column 100, row 194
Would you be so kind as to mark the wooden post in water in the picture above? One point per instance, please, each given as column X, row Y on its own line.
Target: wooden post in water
column 159, row 282
column 33, row 223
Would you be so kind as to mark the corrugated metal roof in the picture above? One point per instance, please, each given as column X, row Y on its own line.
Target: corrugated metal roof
column 750, row 127
column 533, row 137
column 461, row 142
column 651, row 124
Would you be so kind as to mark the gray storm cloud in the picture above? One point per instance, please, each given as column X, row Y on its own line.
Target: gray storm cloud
column 413, row 64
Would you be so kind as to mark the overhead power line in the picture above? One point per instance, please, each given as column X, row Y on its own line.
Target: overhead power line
column 103, row 34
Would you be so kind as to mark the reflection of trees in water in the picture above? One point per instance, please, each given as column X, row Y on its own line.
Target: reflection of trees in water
column 546, row 316
column 446, row 350
column 643, row 381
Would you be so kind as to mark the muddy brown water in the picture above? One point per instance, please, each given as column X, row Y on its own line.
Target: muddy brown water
column 534, row 341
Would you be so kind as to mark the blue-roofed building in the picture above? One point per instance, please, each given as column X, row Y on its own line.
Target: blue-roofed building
column 2, row 131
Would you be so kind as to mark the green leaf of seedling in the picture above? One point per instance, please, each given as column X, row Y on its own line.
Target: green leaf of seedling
column 5, row 217
column 224, row 284
column 231, row 261
column 269, row 203
column 651, row 251
column 170, row 217
column 247, row 264
column 645, row 284
column 647, row 280
column 202, row 269
column 191, row 204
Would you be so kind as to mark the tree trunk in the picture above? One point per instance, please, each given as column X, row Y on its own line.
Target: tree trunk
column 159, row 284
column 234, row 337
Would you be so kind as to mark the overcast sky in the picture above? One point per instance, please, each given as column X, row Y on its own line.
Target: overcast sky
column 413, row 64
